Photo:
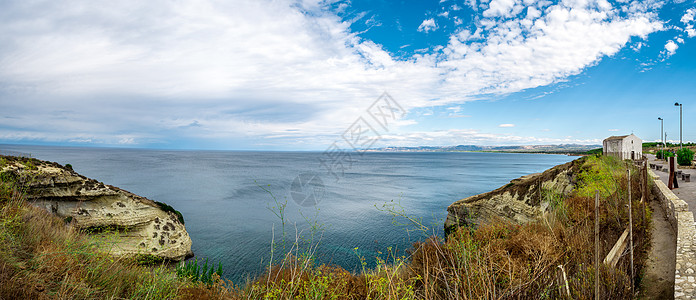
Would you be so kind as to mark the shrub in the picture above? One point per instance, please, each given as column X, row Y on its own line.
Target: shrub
column 30, row 165
column 685, row 156
column 69, row 167
column 148, row 260
column 168, row 208
column 661, row 154
column 597, row 151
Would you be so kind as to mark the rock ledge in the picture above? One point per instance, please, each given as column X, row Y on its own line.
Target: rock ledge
column 125, row 224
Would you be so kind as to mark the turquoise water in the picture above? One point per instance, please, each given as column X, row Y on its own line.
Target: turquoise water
column 228, row 214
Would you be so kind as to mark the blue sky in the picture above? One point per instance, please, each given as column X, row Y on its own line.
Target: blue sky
column 296, row 75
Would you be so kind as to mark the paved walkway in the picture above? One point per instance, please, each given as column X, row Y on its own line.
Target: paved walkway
column 683, row 205
column 686, row 190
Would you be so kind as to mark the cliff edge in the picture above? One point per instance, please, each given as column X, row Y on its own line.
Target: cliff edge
column 124, row 224
column 520, row 201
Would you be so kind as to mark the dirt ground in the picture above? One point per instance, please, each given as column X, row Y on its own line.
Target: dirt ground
column 658, row 281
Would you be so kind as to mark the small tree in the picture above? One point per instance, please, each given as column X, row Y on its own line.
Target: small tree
column 685, row 156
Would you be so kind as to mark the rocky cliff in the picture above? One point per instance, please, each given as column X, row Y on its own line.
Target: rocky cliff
column 123, row 223
column 520, row 201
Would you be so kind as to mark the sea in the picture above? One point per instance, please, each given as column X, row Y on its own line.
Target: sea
column 244, row 209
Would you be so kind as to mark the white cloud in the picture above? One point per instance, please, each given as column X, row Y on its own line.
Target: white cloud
column 688, row 16
column 613, row 130
column 688, row 19
column 671, row 47
column 127, row 141
column 499, row 8
column 559, row 44
column 473, row 136
column 506, row 125
column 690, row 31
column 261, row 68
column 427, row 25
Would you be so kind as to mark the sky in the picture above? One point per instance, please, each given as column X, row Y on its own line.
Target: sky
column 312, row 75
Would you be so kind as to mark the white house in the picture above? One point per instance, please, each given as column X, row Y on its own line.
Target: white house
column 623, row 147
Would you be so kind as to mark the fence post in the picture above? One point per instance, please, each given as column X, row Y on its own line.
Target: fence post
column 645, row 180
column 596, row 241
column 630, row 226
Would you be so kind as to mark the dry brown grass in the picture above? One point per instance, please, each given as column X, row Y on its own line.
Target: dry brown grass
column 41, row 257
column 495, row 261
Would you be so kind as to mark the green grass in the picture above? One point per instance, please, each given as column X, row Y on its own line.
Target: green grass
column 199, row 272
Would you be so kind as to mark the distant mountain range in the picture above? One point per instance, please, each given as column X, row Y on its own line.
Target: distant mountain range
column 563, row 148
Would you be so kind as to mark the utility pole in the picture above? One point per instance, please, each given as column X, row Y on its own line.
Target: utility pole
column 662, row 129
column 680, row 123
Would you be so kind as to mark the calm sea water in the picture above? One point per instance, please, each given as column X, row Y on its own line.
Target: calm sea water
column 229, row 215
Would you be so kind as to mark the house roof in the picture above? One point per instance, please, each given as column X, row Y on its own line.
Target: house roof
column 616, row 137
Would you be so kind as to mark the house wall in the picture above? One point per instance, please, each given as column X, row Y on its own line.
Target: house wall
column 623, row 148
column 633, row 143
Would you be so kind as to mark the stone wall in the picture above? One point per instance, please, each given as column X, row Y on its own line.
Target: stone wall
column 682, row 220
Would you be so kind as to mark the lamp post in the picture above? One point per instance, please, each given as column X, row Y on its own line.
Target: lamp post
column 680, row 123
column 662, row 129
column 663, row 154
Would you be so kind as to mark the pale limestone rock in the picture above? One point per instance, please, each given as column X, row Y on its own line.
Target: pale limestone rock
column 136, row 224
column 521, row 201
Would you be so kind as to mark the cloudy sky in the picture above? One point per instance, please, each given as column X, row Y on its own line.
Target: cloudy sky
column 298, row 75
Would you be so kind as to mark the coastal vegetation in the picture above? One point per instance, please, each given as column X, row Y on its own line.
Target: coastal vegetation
column 661, row 154
column 597, row 151
column 651, row 145
column 552, row 257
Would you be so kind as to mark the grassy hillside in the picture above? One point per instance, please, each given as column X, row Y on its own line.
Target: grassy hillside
column 42, row 257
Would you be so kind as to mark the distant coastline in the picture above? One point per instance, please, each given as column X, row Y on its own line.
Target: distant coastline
column 567, row 149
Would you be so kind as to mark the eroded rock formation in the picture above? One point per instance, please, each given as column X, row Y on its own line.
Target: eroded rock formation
column 124, row 223
column 520, row 201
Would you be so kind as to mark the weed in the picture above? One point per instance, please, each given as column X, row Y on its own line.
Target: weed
column 193, row 271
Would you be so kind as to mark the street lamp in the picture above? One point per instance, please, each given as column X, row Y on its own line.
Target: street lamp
column 662, row 129
column 680, row 123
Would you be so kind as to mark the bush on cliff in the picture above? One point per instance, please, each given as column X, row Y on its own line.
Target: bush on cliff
column 168, row 208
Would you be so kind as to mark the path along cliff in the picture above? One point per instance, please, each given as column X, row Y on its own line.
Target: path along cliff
column 125, row 224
